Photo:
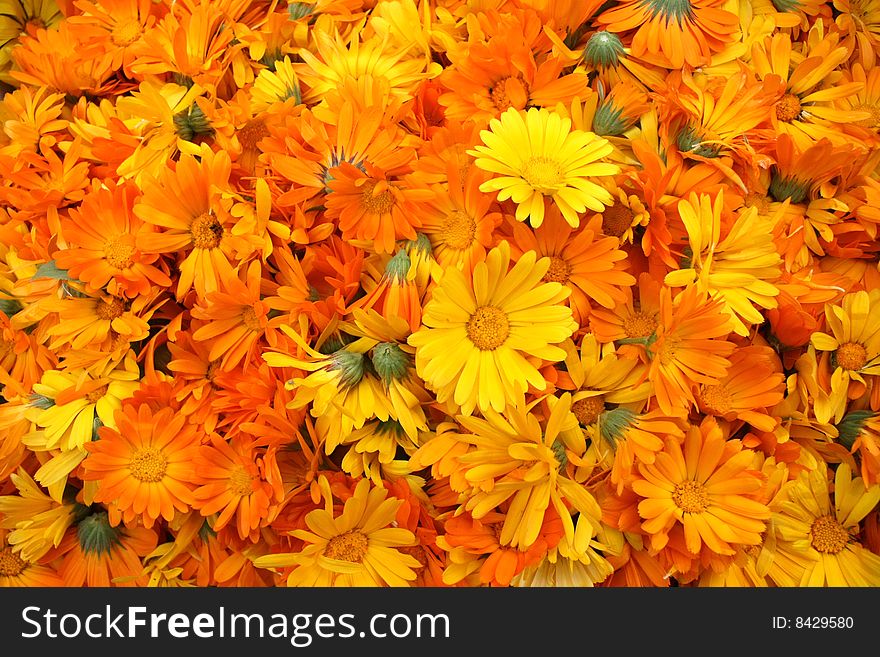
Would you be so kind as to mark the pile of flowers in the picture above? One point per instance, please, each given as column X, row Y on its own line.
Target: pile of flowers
column 439, row 293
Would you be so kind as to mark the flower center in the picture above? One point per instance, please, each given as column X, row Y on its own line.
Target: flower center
column 510, row 92
column 587, row 410
column 757, row 200
column 458, row 230
column 716, row 399
column 544, row 174
column 10, row 563
column 559, row 271
column 640, row 324
column 250, row 320
column 97, row 393
column 872, row 121
column 126, row 33
column 206, row 231
column 380, row 203
column 488, row 328
column 691, row 497
column 788, row 108
column 616, row 220
column 148, row 464
column 110, row 308
column 350, row 546
column 241, row 481
column 251, row 133
column 118, row 254
column 851, row 356
column 828, row 536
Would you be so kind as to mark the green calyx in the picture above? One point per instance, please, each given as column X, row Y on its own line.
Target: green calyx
column 192, row 123
column 350, row 365
column 603, row 50
column 9, row 307
column 788, row 187
column 608, row 121
column 390, row 361
column 851, row 426
column 96, row 535
column 613, row 423
column 398, row 267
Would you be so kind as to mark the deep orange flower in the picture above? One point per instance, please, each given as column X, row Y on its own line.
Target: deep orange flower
column 143, row 468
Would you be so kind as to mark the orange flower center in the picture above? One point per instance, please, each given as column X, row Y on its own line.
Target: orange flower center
column 10, row 563
column 206, row 231
column 640, row 324
column 488, row 328
column 757, row 200
column 559, row 271
column 716, row 399
column 380, row 203
column 118, row 254
column 97, row 393
column 851, row 356
column 587, row 410
column 148, row 464
column 510, row 92
column 828, row 536
column 458, row 230
column 350, row 546
column 249, row 319
column 691, row 497
column 211, row 370
column 544, row 174
column 110, row 309
column 124, row 34
column 616, row 220
column 788, row 108
column 251, row 133
column 872, row 121
column 241, row 481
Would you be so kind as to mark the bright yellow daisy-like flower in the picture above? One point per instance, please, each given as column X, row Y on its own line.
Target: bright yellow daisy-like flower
column 479, row 334
column 538, row 158
column 359, row 547
column 816, row 540
column 854, row 343
column 739, row 269
column 528, row 462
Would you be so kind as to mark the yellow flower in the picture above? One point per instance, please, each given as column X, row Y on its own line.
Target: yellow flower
column 479, row 332
column 538, row 157
column 739, row 270
column 816, row 540
column 356, row 548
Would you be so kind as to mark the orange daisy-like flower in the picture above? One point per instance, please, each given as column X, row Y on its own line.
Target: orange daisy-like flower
column 690, row 348
column 372, row 208
column 236, row 319
column 672, row 33
column 236, row 481
column 591, row 266
column 143, row 466
column 191, row 203
column 101, row 236
column 706, row 487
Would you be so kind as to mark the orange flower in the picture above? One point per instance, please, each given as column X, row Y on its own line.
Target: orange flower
column 236, row 319
column 143, row 468
column 705, row 486
column 101, row 236
column 590, row 265
column 374, row 209
column 237, row 481
column 192, row 202
column 690, row 348
column 670, row 34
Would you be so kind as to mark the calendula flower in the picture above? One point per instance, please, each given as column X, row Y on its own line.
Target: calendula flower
column 478, row 331
column 816, row 540
column 538, row 158
column 142, row 466
column 357, row 547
